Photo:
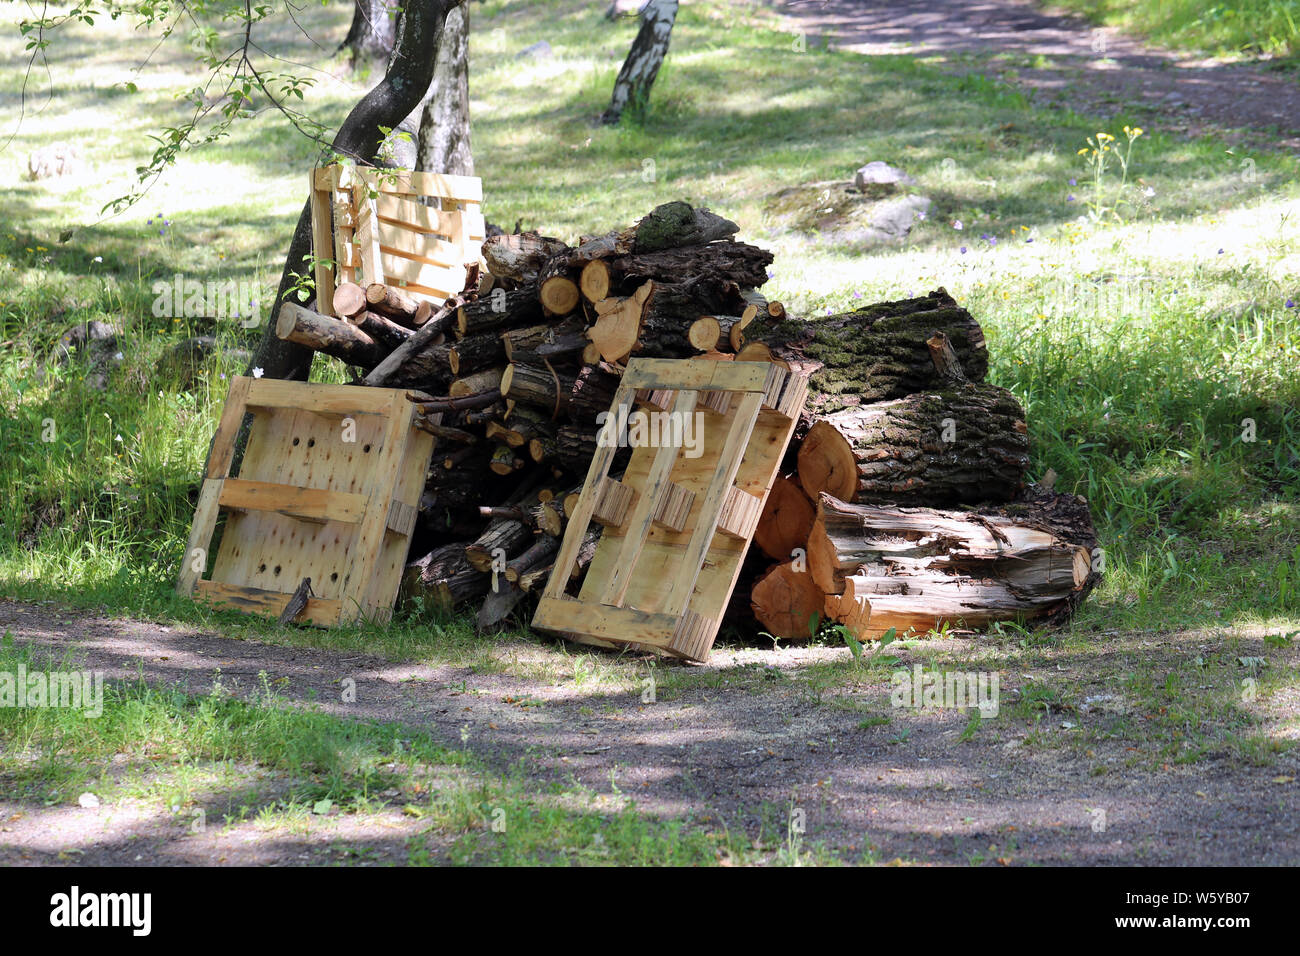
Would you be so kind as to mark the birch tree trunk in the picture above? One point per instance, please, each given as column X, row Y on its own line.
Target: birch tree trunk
column 443, row 121
column 632, row 88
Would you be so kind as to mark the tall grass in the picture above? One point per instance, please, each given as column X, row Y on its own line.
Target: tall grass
column 1248, row 26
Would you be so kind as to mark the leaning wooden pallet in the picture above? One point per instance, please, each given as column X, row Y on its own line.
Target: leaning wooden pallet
column 676, row 527
column 326, row 499
column 414, row 231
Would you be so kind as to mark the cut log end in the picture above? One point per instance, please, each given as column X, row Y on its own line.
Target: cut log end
column 559, row 295
column 704, row 333
column 787, row 602
column 827, row 463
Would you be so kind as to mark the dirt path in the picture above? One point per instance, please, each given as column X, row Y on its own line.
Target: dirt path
column 1066, row 62
column 740, row 735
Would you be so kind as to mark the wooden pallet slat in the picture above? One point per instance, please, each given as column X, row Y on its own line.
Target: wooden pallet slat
column 677, row 525
column 320, row 494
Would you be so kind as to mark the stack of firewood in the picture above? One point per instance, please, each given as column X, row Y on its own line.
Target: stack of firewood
column 512, row 374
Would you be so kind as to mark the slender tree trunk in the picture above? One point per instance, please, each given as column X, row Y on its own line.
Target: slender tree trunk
column 372, row 33
column 444, row 142
column 409, row 73
column 632, row 88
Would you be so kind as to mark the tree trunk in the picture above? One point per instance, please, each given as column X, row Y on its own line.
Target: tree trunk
column 918, row 568
column 632, row 88
column 372, row 32
column 952, row 446
column 445, row 576
column 443, row 119
column 321, row 333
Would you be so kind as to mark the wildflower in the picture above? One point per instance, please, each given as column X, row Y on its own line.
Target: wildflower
column 97, row 259
column 1069, row 198
column 963, row 250
column 1148, row 192
column 956, row 224
column 1220, row 252
column 118, row 438
column 258, row 373
column 118, row 357
column 858, row 295
column 1074, row 182
column 1290, row 304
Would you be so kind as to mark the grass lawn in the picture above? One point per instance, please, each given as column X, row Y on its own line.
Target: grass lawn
column 1151, row 331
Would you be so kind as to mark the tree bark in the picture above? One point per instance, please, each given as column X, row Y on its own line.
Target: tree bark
column 443, row 118
column 632, row 88
column 321, row 333
column 879, row 352
column 952, row 446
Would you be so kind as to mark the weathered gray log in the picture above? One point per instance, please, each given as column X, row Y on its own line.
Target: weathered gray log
column 919, row 568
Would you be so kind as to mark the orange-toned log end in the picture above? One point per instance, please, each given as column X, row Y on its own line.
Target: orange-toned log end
column 594, row 281
column 788, row 603
column 826, row 463
column 823, row 559
column 559, row 295
column 787, row 520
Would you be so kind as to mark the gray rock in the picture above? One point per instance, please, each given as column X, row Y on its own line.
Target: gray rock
column 539, row 49
column 894, row 218
column 881, row 174
column 184, row 360
column 99, row 336
column 57, row 159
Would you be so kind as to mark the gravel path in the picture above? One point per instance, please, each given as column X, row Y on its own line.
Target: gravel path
column 723, row 748
column 1065, row 61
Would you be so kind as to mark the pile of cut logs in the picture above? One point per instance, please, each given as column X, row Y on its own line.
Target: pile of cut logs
column 512, row 374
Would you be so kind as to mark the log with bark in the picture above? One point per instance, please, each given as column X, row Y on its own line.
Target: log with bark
column 963, row 444
column 335, row 337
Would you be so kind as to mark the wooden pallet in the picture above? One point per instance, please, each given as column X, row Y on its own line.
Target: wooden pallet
column 415, row 231
column 676, row 528
column 309, row 503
